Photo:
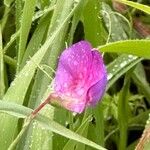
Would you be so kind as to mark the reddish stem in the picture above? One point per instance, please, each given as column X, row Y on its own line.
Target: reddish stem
column 144, row 139
column 46, row 101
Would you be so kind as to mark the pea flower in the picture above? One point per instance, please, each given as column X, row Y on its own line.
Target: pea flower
column 81, row 77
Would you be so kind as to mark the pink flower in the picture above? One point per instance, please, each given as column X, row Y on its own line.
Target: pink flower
column 81, row 77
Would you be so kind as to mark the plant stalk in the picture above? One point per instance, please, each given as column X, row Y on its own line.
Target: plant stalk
column 28, row 120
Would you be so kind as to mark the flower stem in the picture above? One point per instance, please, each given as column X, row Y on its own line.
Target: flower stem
column 28, row 120
column 123, row 113
column 144, row 139
column 46, row 101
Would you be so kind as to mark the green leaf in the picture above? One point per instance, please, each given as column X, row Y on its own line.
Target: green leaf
column 135, row 47
column 139, row 6
column 41, row 13
column 12, row 39
column 43, row 3
column 17, row 91
column 10, row 61
column 92, row 22
column 120, row 66
column 76, row 18
column 18, row 16
column 2, row 79
column 97, row 125
column 139, row 78
column 83, row 128
column 113, row 23
column 36, row 40
column 8, row 2
column 139, row 119
column 35, row 43
column 26, row 21
column 132, row 145
column 123, row 112
column 34, row 136
column 46, row 123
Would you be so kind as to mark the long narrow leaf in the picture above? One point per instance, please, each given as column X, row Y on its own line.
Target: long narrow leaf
column 17, row 92
column 2, row 81
column 26, row 21
column 21, row 111
column 119, row 66
column 139, row 6
column 139, row 48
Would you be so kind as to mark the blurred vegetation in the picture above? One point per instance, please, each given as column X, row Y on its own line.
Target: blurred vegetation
column 33, row 33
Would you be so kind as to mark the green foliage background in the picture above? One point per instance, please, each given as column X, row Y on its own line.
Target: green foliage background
column 33, row 33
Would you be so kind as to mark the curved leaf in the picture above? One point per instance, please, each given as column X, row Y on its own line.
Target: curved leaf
column 139, row 48
column 22, row 112
column 141, row 7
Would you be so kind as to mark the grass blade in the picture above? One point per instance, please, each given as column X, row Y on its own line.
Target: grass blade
column 8, row 2
column 22, row 111
column 94, row 31
column 139, row 48
column 2, row 80
column 140, row 79
column 16, row 93
column 123, row 113
column 125, row 63
column 139, row 6
column 34, row 136
column 26, row 21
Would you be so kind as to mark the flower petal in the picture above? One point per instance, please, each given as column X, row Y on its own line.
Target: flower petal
column 80, row 78
column 97, row 70
column 97, row 79
column 74, row 105
column 76, row 58
column 96, row 92
column 73, row 66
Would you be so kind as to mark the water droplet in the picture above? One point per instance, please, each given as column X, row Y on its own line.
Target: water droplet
column 80, row 92
column 75, row 63
column 123, row 64
column 12, row 84
column 109, row 76
column 116, row 66
column 113, row 70
column 74, row 114
column 65, row 85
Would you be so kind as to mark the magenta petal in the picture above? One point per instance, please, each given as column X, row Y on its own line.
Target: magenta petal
column 98, row 80
column 96, row 92
column 73, row 66
column 80, row 77
column 77, row 57
column 73, row 105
